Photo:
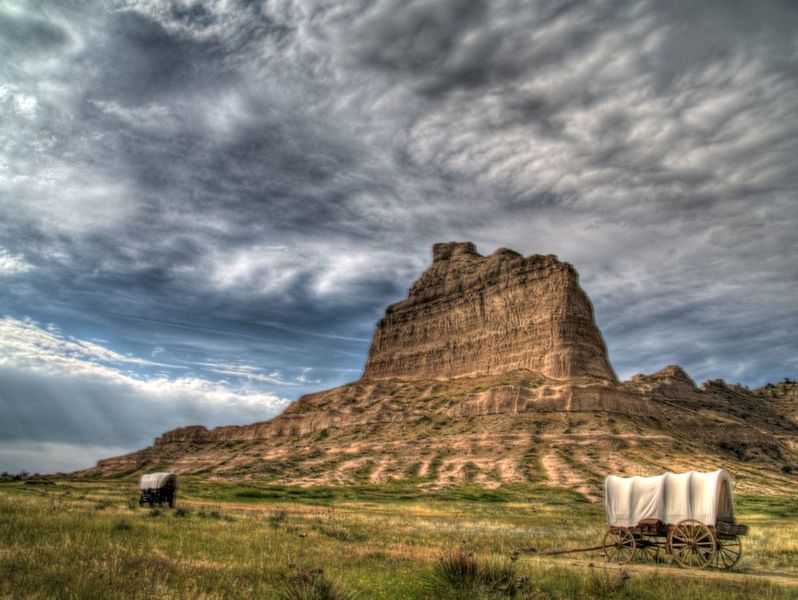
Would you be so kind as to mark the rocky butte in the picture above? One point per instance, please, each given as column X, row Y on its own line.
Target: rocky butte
column 473, row 315
column 494, row 371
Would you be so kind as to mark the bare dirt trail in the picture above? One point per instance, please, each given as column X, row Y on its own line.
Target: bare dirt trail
column 783, row 578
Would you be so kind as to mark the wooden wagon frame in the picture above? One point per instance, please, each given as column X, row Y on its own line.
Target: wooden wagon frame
column 699, row 532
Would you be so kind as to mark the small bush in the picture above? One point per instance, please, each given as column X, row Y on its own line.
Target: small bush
column 454, row 575
column 121, row 525
column 311, row 584
column 182, row 512
column 103, row 504
column 495, row 475
column 342, row 534
column 606, row 584
column 787, row 469
column 459, row 575
column 278, row 518
column 413, row 470
column 155, row 512
column 500, row 577
column 470, row 471
column 214, row 514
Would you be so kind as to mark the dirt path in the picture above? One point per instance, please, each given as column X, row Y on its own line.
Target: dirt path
column 775, row 577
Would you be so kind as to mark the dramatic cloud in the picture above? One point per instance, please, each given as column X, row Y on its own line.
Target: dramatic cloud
column 65, row 390
column 229, row 193
column 11, row 264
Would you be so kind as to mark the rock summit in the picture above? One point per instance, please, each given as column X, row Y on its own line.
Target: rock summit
column 472, row 315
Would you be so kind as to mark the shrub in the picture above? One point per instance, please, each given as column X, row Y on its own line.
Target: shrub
column 214, row 514
column 459, row 575
column 455, row 574
column 341, row 534
column 275, row 519
column 121, row 525
column 606, row 584
column 470, row 471
column 311, row 584
column 413, row 470
column 182, row 512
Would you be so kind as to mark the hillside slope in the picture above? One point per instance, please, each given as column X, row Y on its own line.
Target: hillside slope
column 493, row 371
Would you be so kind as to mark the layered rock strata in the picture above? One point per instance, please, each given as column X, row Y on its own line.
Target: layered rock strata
column 471, row 315
column 494, row 371
column 385, row 402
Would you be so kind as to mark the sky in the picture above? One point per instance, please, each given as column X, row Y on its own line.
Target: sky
column 205, row 207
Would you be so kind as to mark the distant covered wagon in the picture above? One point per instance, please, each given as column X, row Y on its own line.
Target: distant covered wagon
column 157, row 488
column 690, row 515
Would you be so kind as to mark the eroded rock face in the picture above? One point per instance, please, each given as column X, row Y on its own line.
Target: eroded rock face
column 670, row 383
column 470, row 315
column 493, row 371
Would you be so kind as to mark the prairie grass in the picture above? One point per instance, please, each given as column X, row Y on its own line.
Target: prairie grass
column 86, row 539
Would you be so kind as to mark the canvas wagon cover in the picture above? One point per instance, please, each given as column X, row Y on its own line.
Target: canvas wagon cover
column 671, row 498
column 154, row 481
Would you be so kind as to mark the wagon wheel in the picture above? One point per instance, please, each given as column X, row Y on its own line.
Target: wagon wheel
column 619, row 545
column 692, row 544
column 649, row 549
column 728, row 553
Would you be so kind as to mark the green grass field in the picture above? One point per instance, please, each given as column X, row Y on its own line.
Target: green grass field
column 91, row 540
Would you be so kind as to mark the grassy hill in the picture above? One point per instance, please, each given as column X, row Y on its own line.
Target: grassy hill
column 517, row 428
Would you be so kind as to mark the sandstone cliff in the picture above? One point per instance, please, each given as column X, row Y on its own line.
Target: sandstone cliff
column 493, row 371
column 474, row 315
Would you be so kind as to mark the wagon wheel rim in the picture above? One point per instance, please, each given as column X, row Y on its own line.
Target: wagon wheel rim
column 619, row 545
column 728, row 553
column 692, row 544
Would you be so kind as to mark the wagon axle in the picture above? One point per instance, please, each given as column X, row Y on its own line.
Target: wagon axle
column 694, row 547
column 690, row 544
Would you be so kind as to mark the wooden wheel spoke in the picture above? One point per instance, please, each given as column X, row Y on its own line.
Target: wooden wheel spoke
column 692, row 544
column 679, row 545
column 705, row 542
column 649, row 549
column 619, row 545
column 728, row 553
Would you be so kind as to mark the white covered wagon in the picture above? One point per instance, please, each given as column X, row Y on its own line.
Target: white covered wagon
column 690, row 515
column 157, row 488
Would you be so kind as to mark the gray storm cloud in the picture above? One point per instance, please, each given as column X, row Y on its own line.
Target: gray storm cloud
column 249, row 184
